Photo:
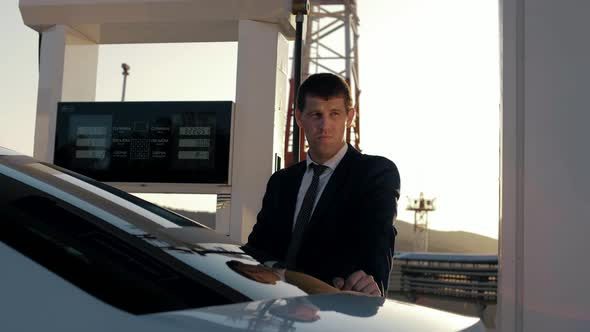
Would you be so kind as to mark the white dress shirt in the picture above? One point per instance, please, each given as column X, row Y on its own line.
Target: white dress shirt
column 324, row 177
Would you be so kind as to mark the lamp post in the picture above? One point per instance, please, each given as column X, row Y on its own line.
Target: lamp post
column 126, row 68
column 299, row 9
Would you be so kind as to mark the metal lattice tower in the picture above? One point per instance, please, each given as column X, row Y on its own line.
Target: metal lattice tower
column 331, row 45
column 421, row 207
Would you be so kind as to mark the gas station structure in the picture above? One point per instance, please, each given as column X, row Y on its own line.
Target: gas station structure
column 544, row 179
column 73, row 30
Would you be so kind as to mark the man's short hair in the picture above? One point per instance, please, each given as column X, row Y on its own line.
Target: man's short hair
column 324, row 85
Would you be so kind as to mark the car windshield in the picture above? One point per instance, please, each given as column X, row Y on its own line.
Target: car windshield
column 125, row 251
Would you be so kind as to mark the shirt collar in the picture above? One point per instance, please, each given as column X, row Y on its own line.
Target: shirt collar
column 333, row 162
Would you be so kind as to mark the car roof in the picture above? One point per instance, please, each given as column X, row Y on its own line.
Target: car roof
column 126, row 215
column 318, row 313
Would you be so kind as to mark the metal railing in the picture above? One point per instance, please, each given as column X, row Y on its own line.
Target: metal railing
column 469, row 277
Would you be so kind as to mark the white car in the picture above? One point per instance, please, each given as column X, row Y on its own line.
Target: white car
column 78, row 255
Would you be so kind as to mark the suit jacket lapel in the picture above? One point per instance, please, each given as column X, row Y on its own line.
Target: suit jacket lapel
column 291, row 189
column 334, row 186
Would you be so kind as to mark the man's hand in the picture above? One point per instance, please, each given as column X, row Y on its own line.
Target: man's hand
column 358, row 281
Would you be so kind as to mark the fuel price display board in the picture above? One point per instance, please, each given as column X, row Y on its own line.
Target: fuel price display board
column 146, row 142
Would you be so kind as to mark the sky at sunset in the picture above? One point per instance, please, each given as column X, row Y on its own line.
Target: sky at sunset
column 430, row 80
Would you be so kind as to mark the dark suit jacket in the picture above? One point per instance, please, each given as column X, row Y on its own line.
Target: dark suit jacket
column 351, row 227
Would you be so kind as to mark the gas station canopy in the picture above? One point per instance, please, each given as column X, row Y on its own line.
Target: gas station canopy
column 156, row 21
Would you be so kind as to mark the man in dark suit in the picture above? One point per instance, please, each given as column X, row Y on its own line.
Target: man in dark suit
column 331, row 215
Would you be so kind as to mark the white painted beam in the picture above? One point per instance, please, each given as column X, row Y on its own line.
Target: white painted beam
column 545, row 161
column 260, row 110
column 156, row 21
column 67, row 73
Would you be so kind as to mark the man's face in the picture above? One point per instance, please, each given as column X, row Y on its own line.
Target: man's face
column 324, row 122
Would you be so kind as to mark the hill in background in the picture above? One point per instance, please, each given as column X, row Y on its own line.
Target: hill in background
column 457, row 242
column 439, row 241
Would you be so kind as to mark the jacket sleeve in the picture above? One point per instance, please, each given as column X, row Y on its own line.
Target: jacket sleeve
column 378, row 210
column 259, row 238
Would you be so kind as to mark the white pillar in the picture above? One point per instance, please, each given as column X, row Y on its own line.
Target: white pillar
column 67, row 72
column 223, row 214
column 545, row 215
column 259, row 125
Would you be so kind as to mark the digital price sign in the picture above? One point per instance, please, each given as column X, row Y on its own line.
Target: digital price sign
column 145, row 142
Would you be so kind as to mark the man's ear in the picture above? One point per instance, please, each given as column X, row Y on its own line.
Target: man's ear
column 298, row 115
column 350, row 117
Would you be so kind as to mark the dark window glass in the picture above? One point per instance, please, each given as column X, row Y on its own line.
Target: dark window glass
column 166, row 214
column 98, row 258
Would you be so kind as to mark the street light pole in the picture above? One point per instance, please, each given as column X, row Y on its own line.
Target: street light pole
column 126, row 68
column 300, row 8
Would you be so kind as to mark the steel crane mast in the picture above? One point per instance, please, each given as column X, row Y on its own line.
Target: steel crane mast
column 331, row 45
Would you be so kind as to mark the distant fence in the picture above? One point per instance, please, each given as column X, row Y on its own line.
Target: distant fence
column 469, row 277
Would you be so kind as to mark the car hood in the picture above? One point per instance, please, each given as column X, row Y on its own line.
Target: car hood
column 344, row 312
